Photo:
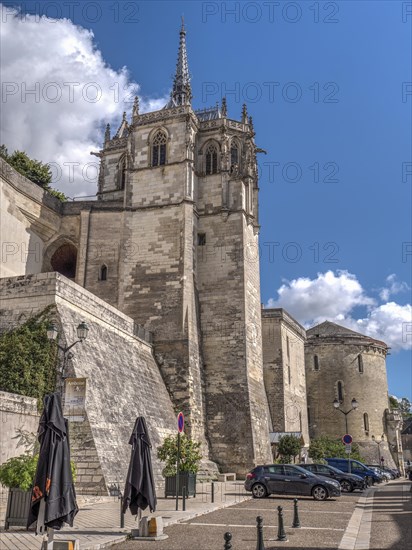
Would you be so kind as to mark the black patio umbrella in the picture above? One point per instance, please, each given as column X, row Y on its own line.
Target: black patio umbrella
column 53, row 497
column 140, row 489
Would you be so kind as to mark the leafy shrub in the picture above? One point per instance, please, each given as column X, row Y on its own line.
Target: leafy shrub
column 288, row 447
column 189, row 455
column 326, row 447
column 28, row 359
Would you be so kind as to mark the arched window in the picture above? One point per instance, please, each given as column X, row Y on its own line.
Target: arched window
column 103, row 273
column 366, row 422
column 159, row 149
column 360, row 363
column 211, row 159
column 340, row 391
column 315, row 362
column 234, row 154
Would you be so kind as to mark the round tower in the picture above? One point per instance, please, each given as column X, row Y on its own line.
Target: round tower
column 347, row 388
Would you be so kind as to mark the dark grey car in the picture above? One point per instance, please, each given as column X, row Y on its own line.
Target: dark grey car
column 289, row 479
column 348, row 482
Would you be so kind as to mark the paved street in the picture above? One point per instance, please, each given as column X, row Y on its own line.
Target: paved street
column 377, row 519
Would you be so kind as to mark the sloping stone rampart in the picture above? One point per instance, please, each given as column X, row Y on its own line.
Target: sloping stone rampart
column 123, row 379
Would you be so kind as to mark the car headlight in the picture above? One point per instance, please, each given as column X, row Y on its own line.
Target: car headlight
column 334, row 483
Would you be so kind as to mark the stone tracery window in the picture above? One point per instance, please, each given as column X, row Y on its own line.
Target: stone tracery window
column 122, row 173
column 159, row 149
column 234, row 154
column 211, row 159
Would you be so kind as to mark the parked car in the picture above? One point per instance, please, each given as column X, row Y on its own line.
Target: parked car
column 356, row 467
column 348, row 482
column 383, row 475
column 289, row 479
column 385, row 472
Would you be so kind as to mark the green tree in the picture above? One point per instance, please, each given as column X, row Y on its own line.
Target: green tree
column 326, row 447
column 34, row 170
column 403, row 405
column 190, row 455
column 28, row 359
column 289, row 447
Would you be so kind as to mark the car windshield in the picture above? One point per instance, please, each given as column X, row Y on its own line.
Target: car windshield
column 333, row 469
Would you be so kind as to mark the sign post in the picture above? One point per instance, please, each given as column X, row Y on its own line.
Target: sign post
column 180, row 428
column 347, row 440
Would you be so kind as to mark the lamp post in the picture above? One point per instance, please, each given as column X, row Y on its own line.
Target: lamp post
column 379, row 443
column 52, row 332
column 355, row 405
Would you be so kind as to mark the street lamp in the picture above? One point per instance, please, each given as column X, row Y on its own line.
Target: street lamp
column 355, row 405
column 379, row 443
column 52, row 333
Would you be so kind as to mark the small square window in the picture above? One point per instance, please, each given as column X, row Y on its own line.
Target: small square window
column 201, row 239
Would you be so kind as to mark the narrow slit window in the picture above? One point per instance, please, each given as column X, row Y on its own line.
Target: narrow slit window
column 366, row 422
column 201, row 239
column 360, row 363
column 316, row 362
column 287, row 347
column 340, row 392
column 103, row 273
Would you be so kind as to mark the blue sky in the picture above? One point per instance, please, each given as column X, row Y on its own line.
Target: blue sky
column 327, row 85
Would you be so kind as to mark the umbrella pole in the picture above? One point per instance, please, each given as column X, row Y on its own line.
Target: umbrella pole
column 50, row 538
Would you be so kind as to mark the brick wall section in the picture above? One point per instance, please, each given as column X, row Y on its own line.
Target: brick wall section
column 123, row 379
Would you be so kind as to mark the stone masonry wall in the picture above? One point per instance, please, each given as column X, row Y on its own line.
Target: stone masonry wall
column 123, row 379
column 284, row 366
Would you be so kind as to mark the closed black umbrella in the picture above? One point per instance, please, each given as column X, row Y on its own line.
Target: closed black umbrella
column 53, row 496
column 139, row 489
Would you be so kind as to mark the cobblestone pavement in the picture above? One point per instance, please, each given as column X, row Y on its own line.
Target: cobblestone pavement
column 379, row 518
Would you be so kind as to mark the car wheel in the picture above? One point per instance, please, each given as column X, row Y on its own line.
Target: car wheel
column 346, row 486
column 259, row 491
column 319, row 493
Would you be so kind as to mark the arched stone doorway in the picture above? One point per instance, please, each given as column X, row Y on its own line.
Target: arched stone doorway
column 64, row 260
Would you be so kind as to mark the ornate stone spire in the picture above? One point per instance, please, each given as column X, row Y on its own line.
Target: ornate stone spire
column 244, row 113
column 182, row 91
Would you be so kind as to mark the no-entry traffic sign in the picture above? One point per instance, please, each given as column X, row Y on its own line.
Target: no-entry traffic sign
column 180, row 422
column 347, row 439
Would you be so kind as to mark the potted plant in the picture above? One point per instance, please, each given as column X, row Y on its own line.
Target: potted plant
column 190, row 457
column 17, row 474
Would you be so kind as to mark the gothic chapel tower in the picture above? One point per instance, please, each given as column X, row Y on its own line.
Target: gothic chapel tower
column 176, row 227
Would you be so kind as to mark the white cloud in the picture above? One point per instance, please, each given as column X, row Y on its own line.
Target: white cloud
column 328, row 296
column 333, row 297
column 75, row 93
column 393, row 287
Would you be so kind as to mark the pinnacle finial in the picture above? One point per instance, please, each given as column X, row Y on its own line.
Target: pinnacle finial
column 251, row 123
column 124, row 115
column 107, row 133
column 135, row 106
column 224, row 107
column 182, row 28
column 244, row 113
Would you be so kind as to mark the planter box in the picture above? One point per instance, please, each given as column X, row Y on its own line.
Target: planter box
column 185, row 480
column 18, row 507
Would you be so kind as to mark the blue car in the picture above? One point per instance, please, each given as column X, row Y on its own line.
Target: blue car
column 356, row 467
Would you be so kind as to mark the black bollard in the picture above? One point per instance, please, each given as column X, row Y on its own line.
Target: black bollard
column 228, row 544
column 121, row 511
column 259, row 526
column 296, row 522
column 281, row 529
column 184, row 498
column 213, row 491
